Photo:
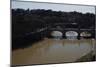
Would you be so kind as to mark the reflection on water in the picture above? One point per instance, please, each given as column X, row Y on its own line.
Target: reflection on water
column 53, row 51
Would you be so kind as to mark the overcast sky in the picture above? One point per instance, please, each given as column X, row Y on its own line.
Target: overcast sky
column 54, row 7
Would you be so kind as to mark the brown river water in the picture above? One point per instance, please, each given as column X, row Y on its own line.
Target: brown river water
column 53, row 51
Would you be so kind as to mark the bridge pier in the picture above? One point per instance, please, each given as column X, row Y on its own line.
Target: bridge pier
column 78, row 37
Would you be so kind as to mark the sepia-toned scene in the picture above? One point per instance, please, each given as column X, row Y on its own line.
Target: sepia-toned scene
column 48, row 33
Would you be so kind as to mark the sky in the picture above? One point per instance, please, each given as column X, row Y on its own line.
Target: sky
column 53, row 6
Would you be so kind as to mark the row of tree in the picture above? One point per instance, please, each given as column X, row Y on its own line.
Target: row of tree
column 24, row 21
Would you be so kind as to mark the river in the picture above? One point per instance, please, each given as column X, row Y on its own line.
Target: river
column 53, row 51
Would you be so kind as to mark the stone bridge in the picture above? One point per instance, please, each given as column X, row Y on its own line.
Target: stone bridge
column 63, row 28
column 77, row 30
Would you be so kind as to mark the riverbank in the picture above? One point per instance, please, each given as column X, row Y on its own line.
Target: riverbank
column 87, row 58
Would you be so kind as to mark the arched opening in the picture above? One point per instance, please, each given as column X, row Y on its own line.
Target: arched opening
column 56, row 34
column 85, row 34
column 71, row 35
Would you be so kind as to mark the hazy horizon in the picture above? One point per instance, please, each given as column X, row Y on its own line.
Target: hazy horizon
column 53, row 6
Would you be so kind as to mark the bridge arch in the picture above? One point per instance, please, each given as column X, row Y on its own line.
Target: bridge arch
column 85, row 34
column 71, row 34
column 57, row 34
